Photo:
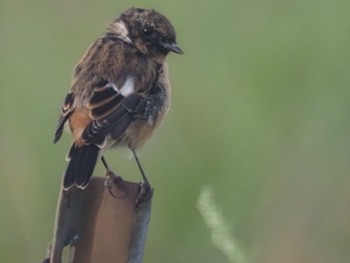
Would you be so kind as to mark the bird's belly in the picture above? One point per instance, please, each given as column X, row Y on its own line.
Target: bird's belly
column 137, row 134
column 141, row 130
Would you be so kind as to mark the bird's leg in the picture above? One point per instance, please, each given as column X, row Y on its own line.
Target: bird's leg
column 112, row 178
column 146, row 190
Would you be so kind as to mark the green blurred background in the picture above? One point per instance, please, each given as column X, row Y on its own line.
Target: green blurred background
column 260, row 114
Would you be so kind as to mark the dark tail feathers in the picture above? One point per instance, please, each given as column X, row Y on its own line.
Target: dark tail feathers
column 81, row 165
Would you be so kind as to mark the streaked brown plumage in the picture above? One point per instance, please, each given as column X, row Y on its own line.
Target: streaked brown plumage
column 120, row 91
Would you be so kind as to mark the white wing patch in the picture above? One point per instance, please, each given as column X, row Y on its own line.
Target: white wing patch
column 128, row 87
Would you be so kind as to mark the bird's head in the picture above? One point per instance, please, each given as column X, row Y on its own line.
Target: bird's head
column 149, row 31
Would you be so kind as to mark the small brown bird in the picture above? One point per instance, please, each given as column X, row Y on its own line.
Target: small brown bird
column 120, row 91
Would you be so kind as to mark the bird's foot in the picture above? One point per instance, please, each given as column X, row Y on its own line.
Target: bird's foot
column 145, row 194
column 113, row 179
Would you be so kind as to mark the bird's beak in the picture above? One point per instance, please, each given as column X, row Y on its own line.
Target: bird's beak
column 172, row 46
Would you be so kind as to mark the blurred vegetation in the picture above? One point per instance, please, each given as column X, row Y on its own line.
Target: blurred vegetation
column 260, row 113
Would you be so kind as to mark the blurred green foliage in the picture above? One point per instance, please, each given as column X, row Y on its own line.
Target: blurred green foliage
column 260, row 113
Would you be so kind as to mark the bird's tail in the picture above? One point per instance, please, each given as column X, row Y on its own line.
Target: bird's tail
column 82, row 161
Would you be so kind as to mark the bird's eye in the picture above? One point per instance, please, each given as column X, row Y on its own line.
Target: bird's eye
column 148, row 31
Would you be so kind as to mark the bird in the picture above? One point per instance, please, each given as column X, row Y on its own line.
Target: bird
column 120, row 92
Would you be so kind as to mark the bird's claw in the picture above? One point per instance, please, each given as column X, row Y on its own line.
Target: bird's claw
column 113, row 179
column 145, row 194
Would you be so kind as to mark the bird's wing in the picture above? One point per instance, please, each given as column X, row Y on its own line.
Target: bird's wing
column 111, row 107
column 66, row 110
